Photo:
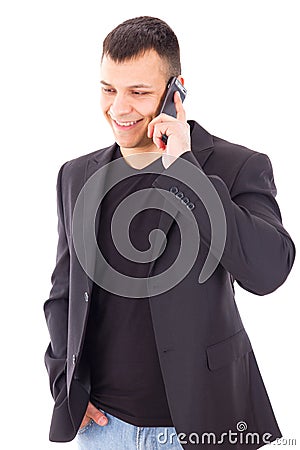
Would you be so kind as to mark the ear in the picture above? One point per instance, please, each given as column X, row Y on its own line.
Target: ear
column 181, row 79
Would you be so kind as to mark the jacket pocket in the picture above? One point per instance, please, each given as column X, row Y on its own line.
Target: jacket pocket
column 223, row 353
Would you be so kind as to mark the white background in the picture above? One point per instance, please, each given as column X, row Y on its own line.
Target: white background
column 241, row 66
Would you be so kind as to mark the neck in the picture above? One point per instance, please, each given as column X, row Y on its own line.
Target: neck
column 146, row 149
column 143, row 155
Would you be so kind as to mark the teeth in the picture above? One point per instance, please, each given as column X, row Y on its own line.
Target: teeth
column 125, row 124
column 122, row 124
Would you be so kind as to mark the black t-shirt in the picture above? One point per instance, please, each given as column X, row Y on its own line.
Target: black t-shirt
column 126, row 375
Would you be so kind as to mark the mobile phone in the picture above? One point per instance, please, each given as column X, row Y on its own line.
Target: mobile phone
column 168, row 105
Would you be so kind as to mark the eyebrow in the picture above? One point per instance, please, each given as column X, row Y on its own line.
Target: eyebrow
column 134, row 86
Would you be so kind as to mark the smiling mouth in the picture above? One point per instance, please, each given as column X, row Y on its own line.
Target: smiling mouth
column 126, row 124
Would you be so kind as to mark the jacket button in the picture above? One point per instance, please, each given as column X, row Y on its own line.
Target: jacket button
column 86, row 296
column 185, row 200
column 73, row 359
column 173, row 189
column 190, row 205
column 179, row 195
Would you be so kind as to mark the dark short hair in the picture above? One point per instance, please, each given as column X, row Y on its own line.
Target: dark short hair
column 134, row 37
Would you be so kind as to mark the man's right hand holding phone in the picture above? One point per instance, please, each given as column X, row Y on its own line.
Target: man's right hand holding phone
column 176, row 129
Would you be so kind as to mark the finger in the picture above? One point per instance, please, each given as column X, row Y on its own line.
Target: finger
column 158, row 119
column 84, row 422
column 160, row 129
column 93, row 413
column 179, row 107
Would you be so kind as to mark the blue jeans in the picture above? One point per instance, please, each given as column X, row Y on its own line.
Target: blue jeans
column 120, row 435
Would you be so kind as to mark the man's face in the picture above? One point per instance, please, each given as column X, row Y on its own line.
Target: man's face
column 131, row 94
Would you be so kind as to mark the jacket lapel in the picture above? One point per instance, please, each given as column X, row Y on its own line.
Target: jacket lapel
column 202, row 147
column 94, row 181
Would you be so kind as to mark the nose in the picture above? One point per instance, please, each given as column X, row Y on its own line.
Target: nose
column 120, row 105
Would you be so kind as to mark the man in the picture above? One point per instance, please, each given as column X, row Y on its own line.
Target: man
column 132, row 364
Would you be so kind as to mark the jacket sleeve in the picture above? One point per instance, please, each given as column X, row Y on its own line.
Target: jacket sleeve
column 56, row 307
column 258, row 253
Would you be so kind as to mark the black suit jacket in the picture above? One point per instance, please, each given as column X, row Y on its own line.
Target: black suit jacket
column 208, row 365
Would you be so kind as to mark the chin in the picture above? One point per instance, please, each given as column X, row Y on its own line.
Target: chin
column 129, row 143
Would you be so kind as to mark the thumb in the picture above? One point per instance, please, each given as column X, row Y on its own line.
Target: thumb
column 93, row 413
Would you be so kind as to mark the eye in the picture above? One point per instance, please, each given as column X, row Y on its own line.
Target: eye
column 139, row 93
column 108, row 90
